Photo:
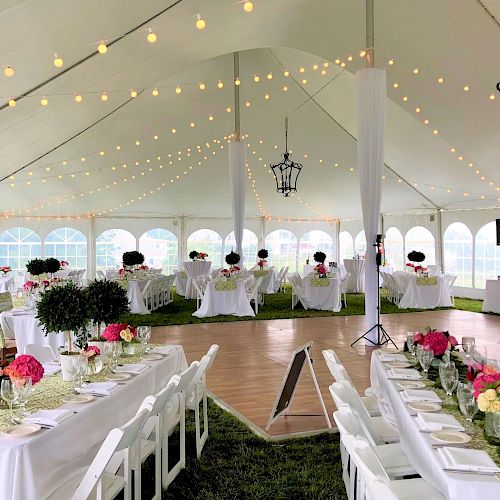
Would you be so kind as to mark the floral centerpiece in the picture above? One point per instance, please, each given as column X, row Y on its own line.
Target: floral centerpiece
column 30, row 286
column 321, row 270
column 132, row 259
column 202, row 256
column 437, row 342
column 93, row 355
column 262, row 263
column 193, row 255
column 486, row 381
column 415, row 258
column 52, row 265
column 5, row 269
column 232, row 259
column 25, row 365
column 36, row 267
column 63, row 263
column 319, row 257
column 262, row 254
column 121, row 332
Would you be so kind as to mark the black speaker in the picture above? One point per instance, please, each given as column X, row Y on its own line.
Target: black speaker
column 498, row 232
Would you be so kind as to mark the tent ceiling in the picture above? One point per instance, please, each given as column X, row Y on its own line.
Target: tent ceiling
column 453, row 39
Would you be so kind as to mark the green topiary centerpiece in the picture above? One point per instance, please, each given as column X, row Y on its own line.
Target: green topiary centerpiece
column 133, row 258
column 36, row 267
column 52, row 265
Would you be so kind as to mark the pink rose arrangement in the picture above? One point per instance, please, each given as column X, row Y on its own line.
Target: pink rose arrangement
column 437, row 342
column 202, row 256
column 321, row 270
column 5, row 269
column 262, row 263
column 25, row 365
column 91, row 352
column 29, row 286
column 486, row 381
column 63, row 263
column 113, row 332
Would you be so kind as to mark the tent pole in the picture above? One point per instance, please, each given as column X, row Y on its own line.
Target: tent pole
column 370, row 34
column 91, row 250
column 440, row 240
column 237, row 122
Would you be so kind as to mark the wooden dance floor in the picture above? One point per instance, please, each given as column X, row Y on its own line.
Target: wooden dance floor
column 253, row 357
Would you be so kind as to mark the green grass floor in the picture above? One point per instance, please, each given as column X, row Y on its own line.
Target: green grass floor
column 277, row 306
column 237, row 464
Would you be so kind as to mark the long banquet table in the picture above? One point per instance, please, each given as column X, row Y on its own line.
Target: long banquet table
column 418, row 446
column 492, row 296
column 32, row 468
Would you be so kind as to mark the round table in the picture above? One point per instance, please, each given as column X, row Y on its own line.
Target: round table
column 356, row 267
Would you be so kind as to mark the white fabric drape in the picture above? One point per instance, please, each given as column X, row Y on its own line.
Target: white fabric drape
column 371, row 106
column 237, row 161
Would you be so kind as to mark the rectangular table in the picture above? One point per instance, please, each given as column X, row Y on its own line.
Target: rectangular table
column 418, row 446
column 32, row 468
column 492, row 296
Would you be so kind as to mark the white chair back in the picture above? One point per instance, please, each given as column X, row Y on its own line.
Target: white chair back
column 379, row 490
column 349, row 423
column 212, row 352
column 43, row 353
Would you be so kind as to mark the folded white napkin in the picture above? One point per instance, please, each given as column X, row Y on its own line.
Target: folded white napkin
column 133, row 368
column 164, row 350
column 99, row 388
column 467, row 459
column 389, row 356
column 437, row 421
column 48, row 418
column 411, row 395
column 404, row 374
column 50, row 369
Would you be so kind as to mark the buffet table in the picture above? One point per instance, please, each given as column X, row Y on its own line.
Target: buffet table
column 356, row 267
column 492, row 296
column 34, row 467
column 418, row 446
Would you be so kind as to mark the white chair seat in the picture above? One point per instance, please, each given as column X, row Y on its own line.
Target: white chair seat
column 394, row 460
column 385, row 430
column 371, row 404
column 113, row 486
column 415, row 489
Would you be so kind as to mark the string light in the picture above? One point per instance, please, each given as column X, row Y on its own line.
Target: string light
column 466, row 88
column 269, row 76
column 155, row 92
column 151, row 36
column 178, row 90
column 133, row 93
column 256, row 78
column 248, row 7
column 440, row 79
column 415, row 71
column 78, row 98
column 102, row 48
column 390, row 62
column 200, row 23
column 237, row 82
column 220, row 84
column 8, row 71
column 12, row 103
column 44, row 101
column 58, row 61
column 202, row 86
column 104, row 97
column 362, row 53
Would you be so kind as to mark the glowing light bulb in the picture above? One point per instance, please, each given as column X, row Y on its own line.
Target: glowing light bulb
column 248, row 7
column 247, row 104
column 390, row 62
column 417, row 110
column 178, row 90
column 237, row 82
column 440, row 79
column 256, row 78
column 304, row 81
column 12, row 103
column 395, row 85
column 102, row 48
column 492, row 97
column 415, row 71
column 270, row 76
column 349, row 58
column 200, row 23
column 8, row 71
column 78, row 98
column 285, row 89
column 286, row 73
column 104, row 97
column 466, row 88
column 267, row 97
column 362, row 53
column 302, row 70
column 44, row 101
column 133, row 93
column 151, row 36
column 58, row 62
column 210, row 118
column 405, row 98
column 228, row 109
column 155, row 92
column 202, row 86
column 220, row 85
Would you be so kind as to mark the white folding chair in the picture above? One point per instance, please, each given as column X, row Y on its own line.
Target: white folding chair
column 196, row 393
column 253, row 294
column 43, row 353
column 283, row 280
column 146, row 295
column 95, row 480
column 370, row 469
column 176, row 415
column 451, row 281
column 343, row 287
column 380, row 430
column 199, row 285
column 100, row 275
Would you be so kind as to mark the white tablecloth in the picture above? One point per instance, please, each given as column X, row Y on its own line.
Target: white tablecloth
column 134, row 294
column 25, row 329
column 492, row 296
column 180, row 283
column 233, row 302
column 32, row 468
column 356, row 282
column 270, row 281
column 326, row 298
column 417, row 446
column 422, row 296
column 195, row 269
column 6, row 282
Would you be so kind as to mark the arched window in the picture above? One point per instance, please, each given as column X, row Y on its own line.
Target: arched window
column 420, row 239
column 360, row 243
column 282, row 247
column 487, row 255
column 346, row 246
column 208, row 241
column 394, row 248
column 249, row 244
column 457, row 246
column 66, row 243
column 159, row 247
column 314, row 241
column 110, row 246
column 18, row 246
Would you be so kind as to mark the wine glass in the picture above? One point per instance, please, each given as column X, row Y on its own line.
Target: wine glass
column 106, row 355
column 448, row 375
column 22, row 387
column 469, row 408
column 496, row 424
column 468, row 344
column 410, row 339
column 115, row 350
column 8, row 394
column 425, row 360
column 144, row 333
column 479, row 354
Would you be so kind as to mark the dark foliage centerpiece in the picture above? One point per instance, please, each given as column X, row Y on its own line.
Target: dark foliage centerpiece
column 131, row 259
column 36, row 267
column 319, row 257
column 232, row 259
column 193, row 255
column 415, row 258
column 262, row 254
column 52, row 265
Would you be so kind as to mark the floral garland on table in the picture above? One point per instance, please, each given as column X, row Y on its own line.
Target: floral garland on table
column 426, row 280
column 5, row 269
column 25, row 365
column 437, row 342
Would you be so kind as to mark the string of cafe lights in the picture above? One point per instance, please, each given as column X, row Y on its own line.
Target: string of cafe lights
column 251, row 178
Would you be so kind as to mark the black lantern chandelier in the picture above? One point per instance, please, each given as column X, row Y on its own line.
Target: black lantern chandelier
column 286, row 172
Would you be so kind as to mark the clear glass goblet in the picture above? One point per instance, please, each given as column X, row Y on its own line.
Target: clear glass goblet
column 468, row 344
column 22, row 387
column 144, row 334
column 9, row 395
column 469, row 408
column 425, row 360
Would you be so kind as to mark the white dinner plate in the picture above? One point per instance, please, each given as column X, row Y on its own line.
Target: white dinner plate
column 21, row 430
column 398, row 364
column 450, row 437
column 424, row 406
column 119, row 376
column 152, row 357
column 409, row 384
column 80, row 398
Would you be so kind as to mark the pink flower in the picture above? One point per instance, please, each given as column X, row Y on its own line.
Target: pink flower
column 25, row 365
column 121, row 272
column 112, row 332
column 29, row 286
column 45, row 283
column 92, row 350
column 63, row 263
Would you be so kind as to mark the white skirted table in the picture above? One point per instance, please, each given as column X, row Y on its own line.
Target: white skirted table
column 134, row 294
column 181, row 278
column 418, row 446
column 492, row 296
column 356, row 267
column 195, row 269
column 225, row 297
column 322, row 293
column 34, row 467
column 270, row 282
column 423, row 292
column 22, row 325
